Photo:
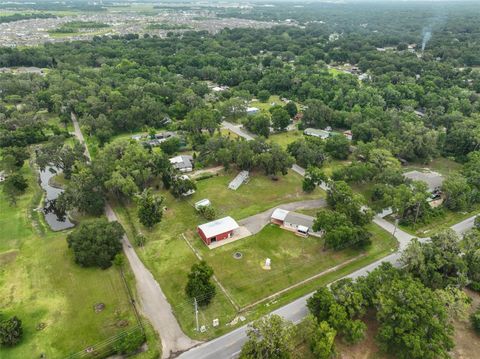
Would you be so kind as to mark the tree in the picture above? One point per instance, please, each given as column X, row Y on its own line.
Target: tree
column 291, row 108
column 199, row 286
column 208, row 212
column 471, row 247
column 320, row 302
column 12, row 158
column 458, row 194
column 317, row 114
column 258, row 124
column 263, row 95
column 129, row 343
column 347, row 294
column 308, row 152
column 269, row 338
column 96, row 243
column 84, row 192
column 341, row 198
column 58, row 154
column 413, row 321
column 475, row 320
column 274, row 161
column 171, row 146
column 313, row 178
column 319, row 336
column 182, row 186
column 338, row 146
column 280, row 119
column 14, row 185
column 438, row 263
column 150, row 208
column 11, row 331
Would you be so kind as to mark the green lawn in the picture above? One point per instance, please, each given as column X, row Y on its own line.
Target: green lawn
column 40, row 283
column 285, row 138
column 438, row 224
column 293, row 259
column 169, row 257
column 442, row 165
column 265, row 106
column 259, row 194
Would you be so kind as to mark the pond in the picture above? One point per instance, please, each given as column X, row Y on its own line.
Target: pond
column 55, row 219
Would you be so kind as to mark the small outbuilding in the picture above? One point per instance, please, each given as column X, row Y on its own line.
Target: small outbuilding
column 316, row 133
column 202, row 203
column 241, row 178
column 217, row 230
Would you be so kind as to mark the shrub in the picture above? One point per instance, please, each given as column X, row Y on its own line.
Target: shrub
column 475, row 320
column 11, row 331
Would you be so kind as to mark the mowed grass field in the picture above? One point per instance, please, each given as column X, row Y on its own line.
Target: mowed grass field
column 40, row 283
column 293, row 259
column 170, row 258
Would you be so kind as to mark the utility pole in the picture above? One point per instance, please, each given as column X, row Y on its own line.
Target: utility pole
column 196, row 312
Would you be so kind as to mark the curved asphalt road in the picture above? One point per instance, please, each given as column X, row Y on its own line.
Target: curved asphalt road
column 230, row 345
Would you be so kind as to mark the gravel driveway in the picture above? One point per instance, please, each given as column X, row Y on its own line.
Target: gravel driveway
column 256, row 222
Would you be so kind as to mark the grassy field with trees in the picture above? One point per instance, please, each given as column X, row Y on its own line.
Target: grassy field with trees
column 54, row 297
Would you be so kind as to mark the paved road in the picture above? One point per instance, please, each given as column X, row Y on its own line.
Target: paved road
column 229, row 345
column 256, row 222
column 301, row 171
column 238, row 130
column 153, row 303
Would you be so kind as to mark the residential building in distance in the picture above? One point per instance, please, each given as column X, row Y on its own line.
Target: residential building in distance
column 314, row 132
column 183, row 163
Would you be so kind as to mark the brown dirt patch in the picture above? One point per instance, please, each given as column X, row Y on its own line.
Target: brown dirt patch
column 467, row 342
column 7, row 257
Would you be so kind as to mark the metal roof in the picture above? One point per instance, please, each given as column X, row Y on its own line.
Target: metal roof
column 219, row 226
column 279, row 214
column 299, row 219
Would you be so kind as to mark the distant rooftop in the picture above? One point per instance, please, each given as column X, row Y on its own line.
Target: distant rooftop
column 434, row 180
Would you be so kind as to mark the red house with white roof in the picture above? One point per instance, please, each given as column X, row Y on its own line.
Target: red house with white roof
column 217, row 230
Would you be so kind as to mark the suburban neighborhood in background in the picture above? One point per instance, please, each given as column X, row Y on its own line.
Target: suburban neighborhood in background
column 221, row 179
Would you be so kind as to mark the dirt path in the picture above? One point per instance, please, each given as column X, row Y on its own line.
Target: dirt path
column 154, row 304
column 256, row 222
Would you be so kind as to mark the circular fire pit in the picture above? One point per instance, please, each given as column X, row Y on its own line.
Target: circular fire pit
column 237, row 255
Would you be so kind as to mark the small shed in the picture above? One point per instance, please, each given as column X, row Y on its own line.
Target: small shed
column 217, row 230
column 202, row 203
column 278, row 216
column 241, row 178
column 252, row 110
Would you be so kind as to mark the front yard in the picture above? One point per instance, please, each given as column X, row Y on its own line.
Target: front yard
column 169, row 257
